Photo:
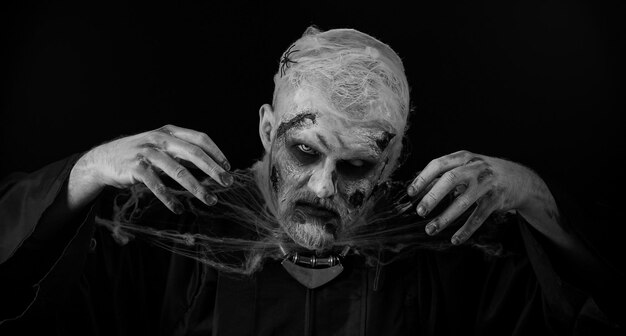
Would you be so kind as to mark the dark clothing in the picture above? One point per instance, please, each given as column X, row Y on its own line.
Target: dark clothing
column 77, row 280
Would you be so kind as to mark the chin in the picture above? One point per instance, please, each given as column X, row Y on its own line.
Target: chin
column 310, row 234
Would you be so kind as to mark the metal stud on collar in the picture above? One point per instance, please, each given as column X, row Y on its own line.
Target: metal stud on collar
column 308, row 275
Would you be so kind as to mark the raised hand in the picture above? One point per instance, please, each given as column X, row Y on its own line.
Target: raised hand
column 140, row 158
column 493, row 184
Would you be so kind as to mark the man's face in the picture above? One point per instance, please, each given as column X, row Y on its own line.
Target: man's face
column 324, row 165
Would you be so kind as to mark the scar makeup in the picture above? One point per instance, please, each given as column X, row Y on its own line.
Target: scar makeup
column 383, row 141
column 294, row 122
column 356, row 199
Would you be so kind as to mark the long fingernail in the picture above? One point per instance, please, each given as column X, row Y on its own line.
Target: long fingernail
column 226, row 178
column 210, row 199
column 226, row 165
column 431, row 228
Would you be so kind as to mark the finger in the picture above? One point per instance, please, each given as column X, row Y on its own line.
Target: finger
column 437, row 167
column 194, row 154
column 425, row 190
column 147, row 176
column 181, row 175
column 457, row 208
column 448, row 181
column 199, row 139
column 486, row 206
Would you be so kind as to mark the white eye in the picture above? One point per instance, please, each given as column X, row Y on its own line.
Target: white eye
column 306, row 149
column 356, row 163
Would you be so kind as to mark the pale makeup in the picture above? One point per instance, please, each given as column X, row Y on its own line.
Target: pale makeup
column 325, row 165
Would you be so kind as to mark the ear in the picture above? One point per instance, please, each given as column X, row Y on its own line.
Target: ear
column 266, row 125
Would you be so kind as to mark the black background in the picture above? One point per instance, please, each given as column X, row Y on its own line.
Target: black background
column 536, row 82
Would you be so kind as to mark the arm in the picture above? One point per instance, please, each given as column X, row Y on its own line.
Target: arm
column 43, row 213
column 139, row 159
column 539, row 209
column 495, row 185
column 121, row 163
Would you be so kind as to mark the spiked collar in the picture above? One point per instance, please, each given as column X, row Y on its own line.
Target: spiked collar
column 313, row 271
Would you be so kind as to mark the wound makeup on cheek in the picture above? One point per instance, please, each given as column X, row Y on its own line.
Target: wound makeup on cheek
column 356, row 199
column 294, row 122
column 274, row 178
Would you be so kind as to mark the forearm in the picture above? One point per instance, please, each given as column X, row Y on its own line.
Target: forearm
column 35, row 205
column 39, row 234
column 80, row 189
column 542, row 213
column 83, row 185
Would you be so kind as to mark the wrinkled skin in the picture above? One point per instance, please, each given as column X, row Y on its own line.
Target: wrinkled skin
column 323, row 165
column 494, row 185
column 320, row 157
column 142, row 158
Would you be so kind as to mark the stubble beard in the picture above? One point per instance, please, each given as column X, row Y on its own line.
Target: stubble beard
column 314, row 232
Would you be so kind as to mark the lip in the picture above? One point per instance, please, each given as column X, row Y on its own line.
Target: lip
column 316, row 210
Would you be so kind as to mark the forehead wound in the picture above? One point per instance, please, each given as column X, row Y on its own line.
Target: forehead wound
column 296, row 122
column 383, row 140
column 378, row 131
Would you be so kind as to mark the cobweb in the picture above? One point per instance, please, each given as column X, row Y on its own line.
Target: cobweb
column 239, row 233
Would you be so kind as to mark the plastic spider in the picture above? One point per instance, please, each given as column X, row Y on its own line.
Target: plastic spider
column 285, row 60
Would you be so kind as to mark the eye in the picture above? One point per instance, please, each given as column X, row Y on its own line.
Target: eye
column 304, row 153
column 355, row 168
column 307, row 149
column 356, row 163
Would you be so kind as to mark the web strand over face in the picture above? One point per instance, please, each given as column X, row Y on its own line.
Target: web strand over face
column 240, row 233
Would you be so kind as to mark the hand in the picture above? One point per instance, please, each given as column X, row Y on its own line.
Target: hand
column 139, row 158
column 494, row 185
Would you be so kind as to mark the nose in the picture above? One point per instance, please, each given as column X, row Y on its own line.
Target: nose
column 323, row 181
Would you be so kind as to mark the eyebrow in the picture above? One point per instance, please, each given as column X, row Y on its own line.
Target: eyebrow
column 294, row 122
column 367, row 155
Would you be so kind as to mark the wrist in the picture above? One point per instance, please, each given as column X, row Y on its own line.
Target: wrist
column 85, row 182
column 536, row 196
column 539, row 209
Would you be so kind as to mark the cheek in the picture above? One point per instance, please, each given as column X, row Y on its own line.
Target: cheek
column 356, row 199
column 356, row 191
column 285, row 174
column 275, row 179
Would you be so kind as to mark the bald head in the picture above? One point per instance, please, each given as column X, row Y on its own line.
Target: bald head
column 358, row 75
column 333, row 132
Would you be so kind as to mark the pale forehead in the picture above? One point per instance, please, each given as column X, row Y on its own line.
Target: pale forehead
column 312, row 120
column 374, row 118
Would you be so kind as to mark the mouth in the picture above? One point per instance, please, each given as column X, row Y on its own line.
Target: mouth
column 316, row 210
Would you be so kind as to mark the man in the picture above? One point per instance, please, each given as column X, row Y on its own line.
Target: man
column 332, row 138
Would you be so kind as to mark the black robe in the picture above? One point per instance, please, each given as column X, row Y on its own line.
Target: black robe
column 75, row 280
